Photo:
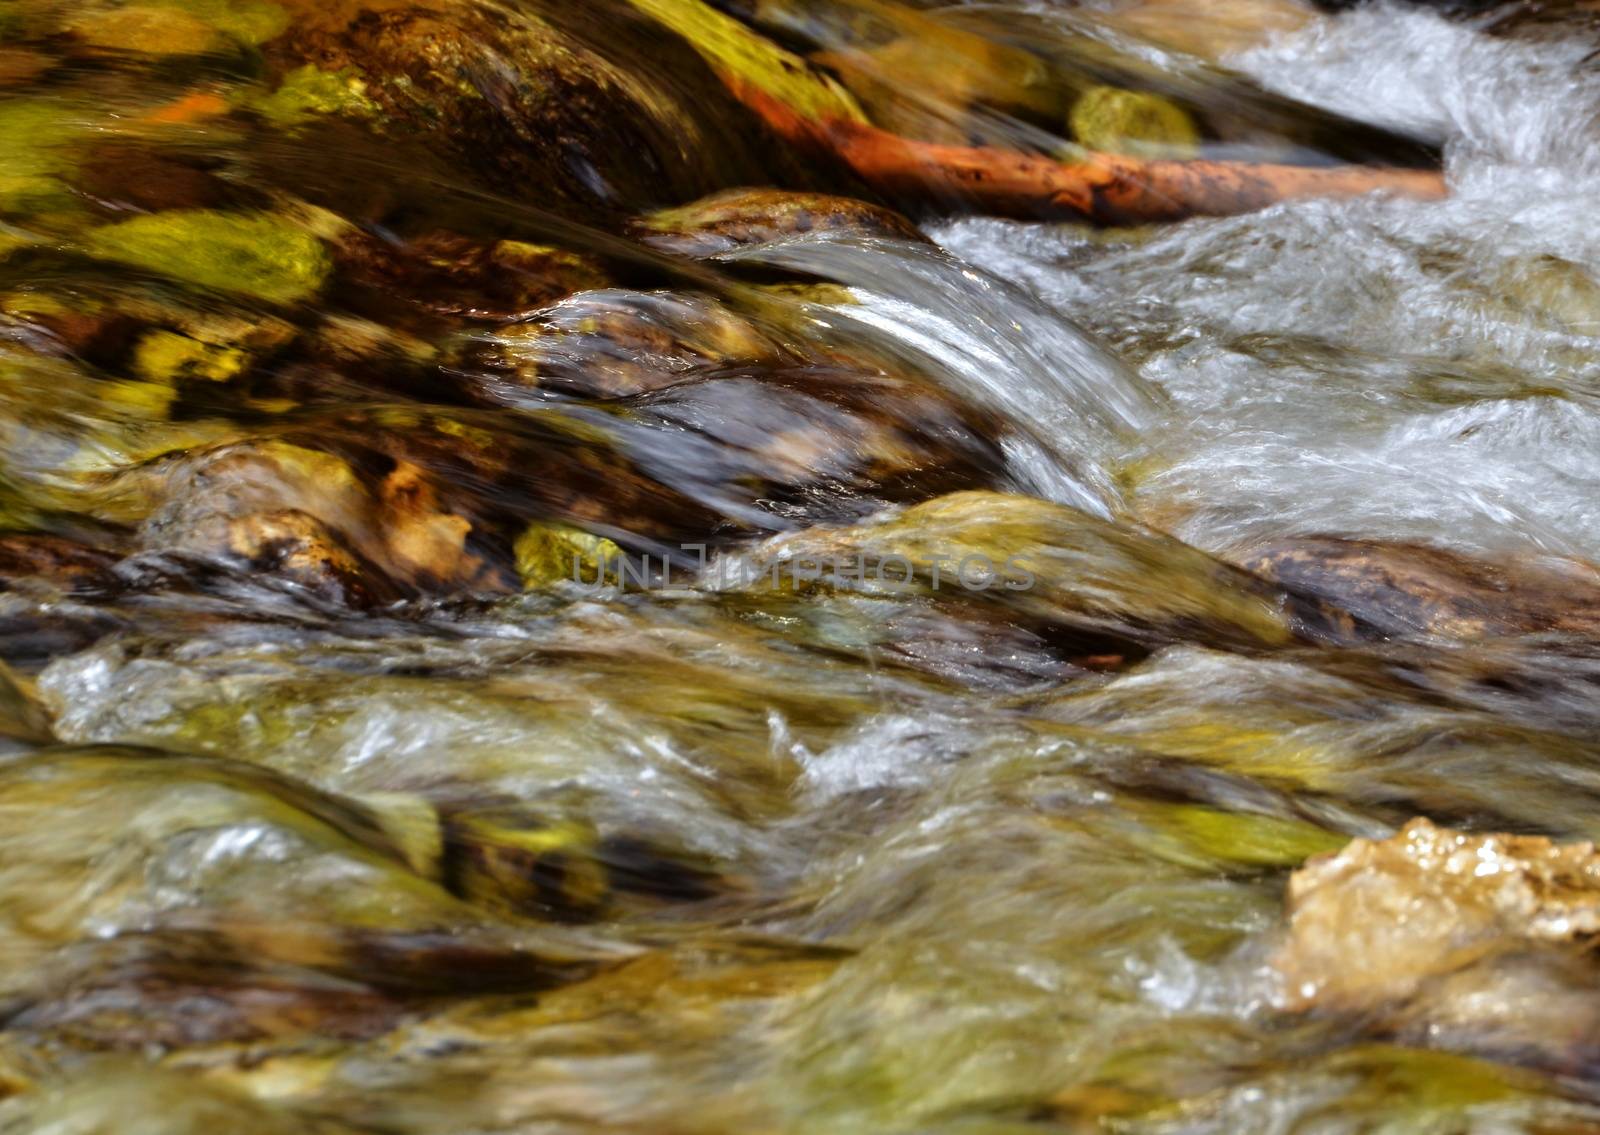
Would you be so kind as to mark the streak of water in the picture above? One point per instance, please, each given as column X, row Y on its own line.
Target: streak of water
column 1375, row 367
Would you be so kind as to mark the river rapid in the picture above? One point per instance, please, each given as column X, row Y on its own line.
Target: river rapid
column 478, row 660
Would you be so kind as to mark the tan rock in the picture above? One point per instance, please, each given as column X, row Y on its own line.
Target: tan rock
column 1377, row 922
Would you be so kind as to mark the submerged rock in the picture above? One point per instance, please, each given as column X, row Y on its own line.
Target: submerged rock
column 1133, row 122
column 147, row 30
column 449, row 274
column 551, row 553
column 614, row 343
column 1049, row 563
column 220, row 863
column 1209, row 29
column 165, row 356
column 113, row 1097
column 510, row 97
column 258, row 255
column 36, row 137
column 741, row 217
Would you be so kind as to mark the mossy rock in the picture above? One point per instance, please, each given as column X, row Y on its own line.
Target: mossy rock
column 259, row 255
column 1133, row 122
column 1209, row 836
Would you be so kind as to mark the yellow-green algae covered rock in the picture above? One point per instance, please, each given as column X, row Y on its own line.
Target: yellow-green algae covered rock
column 1133, row 122
column 549, row 553
column 166, row 356
column 308, row 92
column 253, row 254
column 739, row 55
column 34, row 134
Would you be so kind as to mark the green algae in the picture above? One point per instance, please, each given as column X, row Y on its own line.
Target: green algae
column 549, row 553
column 1244, row 838
column 252, row 254
column 250, row 21
column 165, row 356
column 34, row 139
column 307, row 93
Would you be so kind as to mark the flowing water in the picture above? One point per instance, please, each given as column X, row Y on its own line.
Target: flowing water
column 478, row 665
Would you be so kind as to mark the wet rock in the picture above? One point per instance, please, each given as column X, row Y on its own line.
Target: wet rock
column 690, row 402
column 1376, row 923
column 508, row 96
column 296, row 546
column 216, row 864
column 258, row 255
column 128, row 177
column 612, row 343
column 36, row 136
column 814, row 442
column 1133, row 122
column 550, row 553
column 306, row 516
column 453, row 275
column 741, row 217
column 1051, row 565
column 57, row 562
column 423, row 541
column 1378, row 589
